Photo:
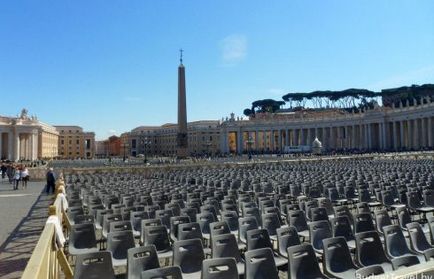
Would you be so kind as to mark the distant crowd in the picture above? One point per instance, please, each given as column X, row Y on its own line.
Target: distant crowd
column 15, row 174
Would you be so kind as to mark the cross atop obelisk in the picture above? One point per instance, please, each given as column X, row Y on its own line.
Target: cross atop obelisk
column 182, row 136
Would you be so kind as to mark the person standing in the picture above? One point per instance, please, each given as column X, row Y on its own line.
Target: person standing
column 17, row 178
column 51, row 181
column 3, row 169
column 24, row 176
column 10, row 171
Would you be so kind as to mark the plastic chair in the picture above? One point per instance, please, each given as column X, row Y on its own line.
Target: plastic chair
column 118, row 244
column 246, row 224
column 172, row 272
column 382, row 219
column 337, row 261
column 286, row 237
column 82, row 239
column 302, row 263
column 369, row 251
column 225, row 245
column 174, row 222
column 363, row 223
column 94, row 265
column 259, row 238
column 297, row 219
column 140, row 259
column 418, row 241
column 369, row 272
column 319, row 230
column 260, row 264
column 219, row 268
column 319, row 214
column 158, row 236
column 271, row 223
column 188, row 255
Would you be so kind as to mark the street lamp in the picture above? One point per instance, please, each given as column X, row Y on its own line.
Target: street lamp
column 146, row 142
column 249, row 143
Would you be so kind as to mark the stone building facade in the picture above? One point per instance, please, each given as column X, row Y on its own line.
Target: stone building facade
column 75, row 143
column 203, row 138
column 399, row 127
column 26, row 138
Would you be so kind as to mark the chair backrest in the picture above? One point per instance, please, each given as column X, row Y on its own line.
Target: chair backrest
column 108, row 218
column 431, row 228
column 83, row 236
column 140, row 259
column 225, row 245
column 403, row 217
column 343, row 210
column 219, row 268
column 287, row 237
column 158, row 236
column 302, row 262
column 188, row 254
column 117, row 226
column 341, row 227
column 337, row 256
column 363, row 223
column 174, row 223
column 255, row 212
column 318, row 214
column 394, row 241
column 382, row 219
column 119, row 242
column 231, row 217
column 327, row 204
column 246, row 224
column 164, row 215
column 369, row 250
column 258, row 238
column 84, row 219
column 168, row 272
column 308, row 205
column 363, row 207
column 136, row 218
column 318, row 231
column 418, row 239
column 189, row 231
column 297, row 219
column 204, row 219
column 100, row 213
column 260, row 264
column 270, row 222
column 413, row 199
column 218, row 228
column 94, row 265
column 190, row 212
column 428, row 197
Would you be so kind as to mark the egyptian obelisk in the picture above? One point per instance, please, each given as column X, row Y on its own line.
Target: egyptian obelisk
column 182, row 136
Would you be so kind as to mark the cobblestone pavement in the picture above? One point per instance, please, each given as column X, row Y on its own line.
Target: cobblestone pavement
column 22, row 217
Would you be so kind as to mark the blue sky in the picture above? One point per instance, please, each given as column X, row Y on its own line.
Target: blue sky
column 110, row 66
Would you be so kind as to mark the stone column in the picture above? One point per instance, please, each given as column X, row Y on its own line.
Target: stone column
column 430, row 130
column 383, row 125
column 302, row 136
column 264, row 140
column 1, row 144
column 10, row 146
column 287, row 143
column 424, row 137
column 353, row 137
column 416, row 138
column 17, row 147
column 409, row 134
column 394, row 136
column 347, row 138
column 272, row 140
column 279, row 140
column 309, row 136
column 256, row 140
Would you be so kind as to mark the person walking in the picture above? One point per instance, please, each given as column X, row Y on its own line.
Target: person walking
column 17, row 178
column 24, row 176
column 3, row 170
column 10, row 171
column 51, row 181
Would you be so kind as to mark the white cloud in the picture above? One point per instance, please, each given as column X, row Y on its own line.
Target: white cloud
column 234, row 49
column 417, row 76
column 111, row 132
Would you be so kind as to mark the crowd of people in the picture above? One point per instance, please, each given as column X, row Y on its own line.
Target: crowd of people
column 15, row 173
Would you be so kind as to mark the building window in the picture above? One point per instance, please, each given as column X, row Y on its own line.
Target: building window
column 133, row 143
column 78, row 141
column 62, row 142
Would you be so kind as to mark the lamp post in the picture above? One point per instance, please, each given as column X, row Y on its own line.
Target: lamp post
column 249, row 143
column 146, row 142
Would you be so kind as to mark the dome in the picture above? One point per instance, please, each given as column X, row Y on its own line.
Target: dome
column 316, row 143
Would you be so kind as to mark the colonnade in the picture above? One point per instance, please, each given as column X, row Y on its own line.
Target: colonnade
column 16, row 145
column 381, row 133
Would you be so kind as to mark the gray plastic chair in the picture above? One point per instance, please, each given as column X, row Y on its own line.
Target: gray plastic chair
column 271, row 223
column 297, row 219
column 225, row 245
column 246, row 224
column 337, row 261
column 118, row 244
column 319, row 214
column 158, row 236
column 369, row 251
column 395, row 243
column 302, row 263
column 170, row 272
column 287, row 237
column 188, row 255
column 219, row 268
column 118, row 226
column 140, row 259
column 174, row 222
column 259, row 238
column 94, row 265
column 318, row 231
column 84, row 219
column 363, row 223
column 82, row 239
column 382, row 219
column 418, row 241
column 106, row 222
column 149, row 223
column 231, row 217
column 260, row 264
